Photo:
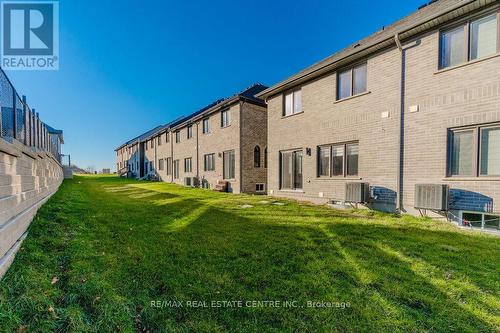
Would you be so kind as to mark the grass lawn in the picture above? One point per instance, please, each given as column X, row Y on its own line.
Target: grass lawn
column 103, row 249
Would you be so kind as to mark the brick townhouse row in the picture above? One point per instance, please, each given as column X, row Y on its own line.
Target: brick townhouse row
column 223, row 143
column 417, row 102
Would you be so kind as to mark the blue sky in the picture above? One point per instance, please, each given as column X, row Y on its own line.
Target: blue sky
column 128, row 66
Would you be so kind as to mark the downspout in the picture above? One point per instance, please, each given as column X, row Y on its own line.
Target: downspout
column 171, row 157
column 400, row 175
column 240, row 153
column 197, row 152
column 401, row 122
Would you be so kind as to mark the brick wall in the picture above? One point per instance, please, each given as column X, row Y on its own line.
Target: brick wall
column 253, row 133
column 221, row 139
column 466, row 95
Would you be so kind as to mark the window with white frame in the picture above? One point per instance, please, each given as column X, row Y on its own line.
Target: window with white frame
column 352, row 81
column 161, row 164
column 225, row 118
column 177, row 136
column 260, row 187
column 206, row 125
column 471, row 40
column 338, row 160
column 159, row 140
column 292, row 102
column 474, row 151
column 189, row 132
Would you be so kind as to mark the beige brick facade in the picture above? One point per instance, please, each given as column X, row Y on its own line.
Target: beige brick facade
column 246, row 130
column 435, row 101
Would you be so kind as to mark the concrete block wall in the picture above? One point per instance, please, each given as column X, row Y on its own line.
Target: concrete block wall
column 28, row 178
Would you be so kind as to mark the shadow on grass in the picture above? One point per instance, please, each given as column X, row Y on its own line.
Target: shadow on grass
column 395, row 277
column 125, row 244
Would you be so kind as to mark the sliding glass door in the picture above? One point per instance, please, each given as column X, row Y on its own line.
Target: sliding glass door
column 291, row 170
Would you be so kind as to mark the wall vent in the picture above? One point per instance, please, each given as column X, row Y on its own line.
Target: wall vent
column 432, row 196
column 357, row 192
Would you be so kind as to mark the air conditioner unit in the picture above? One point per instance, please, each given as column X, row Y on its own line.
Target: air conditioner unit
column 357, row 192
column 432, row 196
column 195, row 182
column 187, row 181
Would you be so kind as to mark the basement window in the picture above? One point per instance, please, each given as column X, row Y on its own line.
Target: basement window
column 479, row 220
column 260, row 187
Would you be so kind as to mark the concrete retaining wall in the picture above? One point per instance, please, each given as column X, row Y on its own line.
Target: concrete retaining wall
column 28, row 178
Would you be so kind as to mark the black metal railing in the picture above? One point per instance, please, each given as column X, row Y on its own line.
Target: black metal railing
column 18, row 121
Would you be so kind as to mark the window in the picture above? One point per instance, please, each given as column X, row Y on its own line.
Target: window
column 474, row 151
column 265, row 157
column 188, row 164
column 479, row 220
column 471, row 40
column 169, row 165
column 176, row 169
column 338, row 160
column 209, row 162
column 462, row 153
column 189, row 132
column 260, row 187
column 177, row 136
column 291, row 170
column 151, row 166
column 167, row 138
column 324, row 161
column 490, row 151
column 352, row 82
column 453, row 47
column 152, row 143
column 161, row 164
column 159, row 140
column 225, row 118
column 352, row 159
column 206, row 125
column 293, row 103
column 256, row 157
column 146, row 164
column 228, row 164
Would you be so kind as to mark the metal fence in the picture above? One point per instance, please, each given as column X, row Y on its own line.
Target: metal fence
column 18, row 121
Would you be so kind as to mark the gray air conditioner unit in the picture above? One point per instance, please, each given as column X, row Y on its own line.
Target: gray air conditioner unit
column 357, row 192
column 431, row 196
column 195, row 182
